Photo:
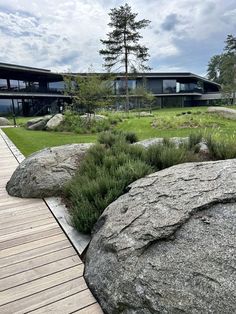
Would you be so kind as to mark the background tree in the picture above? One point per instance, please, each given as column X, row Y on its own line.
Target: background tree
column 122, row 47
column 222, row 69
column 89, row 91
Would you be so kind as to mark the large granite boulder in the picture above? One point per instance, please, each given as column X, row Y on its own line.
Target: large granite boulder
column 4, row 121
column 38, row 123
column 44, row 173
column 168, row 244
column 223, row 112
column 55, row 121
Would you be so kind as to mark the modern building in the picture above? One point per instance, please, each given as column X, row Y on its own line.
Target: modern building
column 32, row 91
column 173, row 89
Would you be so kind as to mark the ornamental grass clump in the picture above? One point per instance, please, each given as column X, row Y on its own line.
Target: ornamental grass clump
column 103, row 176
column 165, row 155
column 219, row 149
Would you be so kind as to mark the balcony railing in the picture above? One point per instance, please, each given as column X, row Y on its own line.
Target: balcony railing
column 31, row 89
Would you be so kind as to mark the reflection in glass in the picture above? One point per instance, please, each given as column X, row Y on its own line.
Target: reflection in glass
column 169, row 86
column 120, row 86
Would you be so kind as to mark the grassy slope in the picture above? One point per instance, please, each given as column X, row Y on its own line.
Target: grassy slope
column 31, row 141
column 142, row 126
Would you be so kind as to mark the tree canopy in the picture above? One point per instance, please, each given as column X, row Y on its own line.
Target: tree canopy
column 222, row 68
column 122, row 48
column 89, row 91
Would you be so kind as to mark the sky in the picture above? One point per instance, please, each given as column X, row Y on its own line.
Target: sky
column 64, row 35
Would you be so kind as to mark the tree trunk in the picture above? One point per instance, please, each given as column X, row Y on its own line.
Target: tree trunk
column 126, row 76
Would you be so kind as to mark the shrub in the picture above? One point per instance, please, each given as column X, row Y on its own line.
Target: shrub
column 163, row 155
column 221, row 150
column 131, row 137
column 103, row 176
column 194, row 139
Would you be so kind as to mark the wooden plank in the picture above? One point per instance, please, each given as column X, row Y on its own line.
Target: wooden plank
column 22, row 220
column 28, row 231
column 41, row 284
column 30, row 238
column 92, row 309
column 36, row 251
column 31, row 245
column 20, row 206
column 36, row 262
column 69, row 304
column 34, row 224
column 45, row 297
column 12, row 202
column 39, row 272
column 5, row 217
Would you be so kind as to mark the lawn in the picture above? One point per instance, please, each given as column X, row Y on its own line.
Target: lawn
column 165, row 123
column 31, row 141
column 171, row 123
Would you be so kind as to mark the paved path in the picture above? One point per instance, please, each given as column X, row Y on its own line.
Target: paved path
column 40, row 271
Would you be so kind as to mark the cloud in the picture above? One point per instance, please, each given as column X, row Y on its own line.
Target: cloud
column 170, row 22
column 62, row 35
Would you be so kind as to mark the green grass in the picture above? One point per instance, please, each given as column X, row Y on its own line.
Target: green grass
column 170, row 123
column 32, row 141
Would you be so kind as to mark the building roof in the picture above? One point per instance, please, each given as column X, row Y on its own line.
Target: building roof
column 19, row 72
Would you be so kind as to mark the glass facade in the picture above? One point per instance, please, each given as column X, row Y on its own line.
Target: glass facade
column 169, row 86
column 56, row 86
column 120, row 86
column 189, row 87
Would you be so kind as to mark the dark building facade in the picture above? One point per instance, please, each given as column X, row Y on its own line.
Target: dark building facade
column 31, row 91
column 173, row 89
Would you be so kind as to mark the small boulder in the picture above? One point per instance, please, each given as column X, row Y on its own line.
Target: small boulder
column 97, row 117
column 159, row 140
column 38, row 126
column 4, row 121
column 145, row 114
column 44, row 173
column 38, row 123
column 223, row 112
column 55, row 121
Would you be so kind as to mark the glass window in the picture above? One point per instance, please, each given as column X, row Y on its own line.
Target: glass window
column 57, row 85
column 169, row 86
column 3, row 84
column 120, row 86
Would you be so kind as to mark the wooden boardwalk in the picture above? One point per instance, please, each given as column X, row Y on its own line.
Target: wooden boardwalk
column 40, row 271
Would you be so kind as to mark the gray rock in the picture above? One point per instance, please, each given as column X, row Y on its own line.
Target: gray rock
column 38, row 126
column 44, row 173
column 96, row 117
column 168, row 245
column 4, row 121
column 55, row 121
column 159, row 140
column 145, row 114
column 203, row 149
column 36, row 120
column 224, row 112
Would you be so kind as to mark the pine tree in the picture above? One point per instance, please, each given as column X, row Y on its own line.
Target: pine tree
column 122, row 47
column 222, row 69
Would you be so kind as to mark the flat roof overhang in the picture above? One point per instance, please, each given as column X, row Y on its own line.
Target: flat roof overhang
column 16, row 72
column 9, row 95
